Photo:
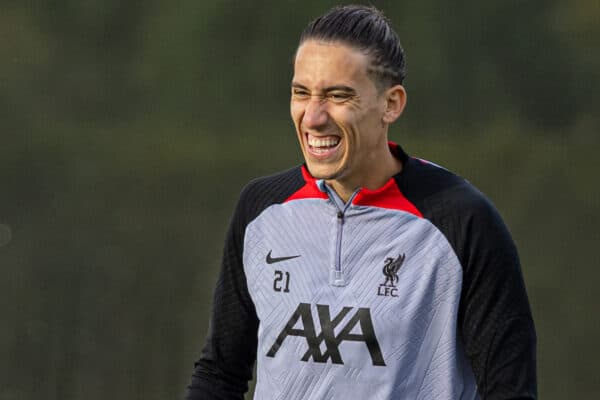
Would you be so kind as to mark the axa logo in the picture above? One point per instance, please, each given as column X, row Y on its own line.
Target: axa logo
column 390, row 271
column 360, row 318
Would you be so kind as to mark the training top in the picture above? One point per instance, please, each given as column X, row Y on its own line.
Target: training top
column 411, row 291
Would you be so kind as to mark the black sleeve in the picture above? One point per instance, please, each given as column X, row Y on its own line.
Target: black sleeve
column 227, row 360
column 494, row 318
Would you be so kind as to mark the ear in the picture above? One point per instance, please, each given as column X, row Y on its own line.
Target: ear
column 395, row 98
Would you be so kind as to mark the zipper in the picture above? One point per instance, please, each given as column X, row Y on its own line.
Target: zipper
column 337, row 277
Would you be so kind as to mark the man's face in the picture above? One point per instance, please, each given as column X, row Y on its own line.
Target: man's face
column 337, row 111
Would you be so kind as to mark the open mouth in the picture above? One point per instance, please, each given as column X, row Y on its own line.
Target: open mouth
column 322, row 145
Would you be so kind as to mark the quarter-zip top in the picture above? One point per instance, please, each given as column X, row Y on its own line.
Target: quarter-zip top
column 348, row 326
column 342, row 321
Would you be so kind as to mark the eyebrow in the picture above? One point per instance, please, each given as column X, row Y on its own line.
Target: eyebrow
column 342, row 88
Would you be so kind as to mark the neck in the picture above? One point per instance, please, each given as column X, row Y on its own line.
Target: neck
column 381, row 168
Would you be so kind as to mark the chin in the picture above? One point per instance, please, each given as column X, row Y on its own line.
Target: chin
column 327, row 172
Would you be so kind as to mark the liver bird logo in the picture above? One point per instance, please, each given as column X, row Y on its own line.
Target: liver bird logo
column 390, row 270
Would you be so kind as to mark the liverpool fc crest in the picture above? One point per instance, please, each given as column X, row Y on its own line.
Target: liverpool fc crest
column 390, row 271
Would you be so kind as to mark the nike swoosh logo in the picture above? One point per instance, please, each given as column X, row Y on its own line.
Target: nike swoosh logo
column 273, row 260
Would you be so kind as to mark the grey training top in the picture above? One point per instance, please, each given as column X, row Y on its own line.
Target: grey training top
column 411, row 291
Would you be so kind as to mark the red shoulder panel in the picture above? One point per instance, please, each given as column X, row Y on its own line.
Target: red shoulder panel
column 388, row 196
column 309, row 191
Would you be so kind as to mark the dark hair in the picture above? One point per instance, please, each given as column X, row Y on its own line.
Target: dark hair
column 368, row 30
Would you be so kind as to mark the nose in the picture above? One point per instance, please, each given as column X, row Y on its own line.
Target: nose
column 315, row 113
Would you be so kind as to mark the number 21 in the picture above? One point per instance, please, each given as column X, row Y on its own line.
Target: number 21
column 278, row 286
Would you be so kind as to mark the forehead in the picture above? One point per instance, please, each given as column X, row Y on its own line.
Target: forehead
column 322, row 63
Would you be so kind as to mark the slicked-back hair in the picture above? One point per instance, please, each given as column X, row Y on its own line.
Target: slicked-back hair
column 367, row 30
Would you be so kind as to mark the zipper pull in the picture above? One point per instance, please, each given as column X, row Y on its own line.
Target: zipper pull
column 340, row 215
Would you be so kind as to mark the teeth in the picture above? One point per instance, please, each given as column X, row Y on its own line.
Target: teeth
column 320, row 150
column 325, row 142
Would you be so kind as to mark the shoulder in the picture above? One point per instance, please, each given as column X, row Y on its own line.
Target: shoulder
column 264, row 191
column 439, row 193
column 465, row 216
column 276, row 185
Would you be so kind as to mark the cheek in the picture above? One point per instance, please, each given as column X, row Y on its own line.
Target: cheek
column 345, row 117
column 351, row 122
column 296, row 111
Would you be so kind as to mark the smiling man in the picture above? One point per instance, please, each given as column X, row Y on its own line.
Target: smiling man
column 341, row 116
column 364, row 273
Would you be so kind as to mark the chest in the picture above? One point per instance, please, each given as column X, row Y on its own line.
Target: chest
column 374, row 269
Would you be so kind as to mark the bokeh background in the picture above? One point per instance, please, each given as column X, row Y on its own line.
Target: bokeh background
column 128, row 129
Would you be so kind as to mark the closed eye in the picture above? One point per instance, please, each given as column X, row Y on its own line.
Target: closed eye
column 300, row 93
column 339, row 97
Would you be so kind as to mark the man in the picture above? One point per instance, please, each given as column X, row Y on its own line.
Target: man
column 365, row 273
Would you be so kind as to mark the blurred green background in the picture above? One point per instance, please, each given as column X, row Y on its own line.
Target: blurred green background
column 127, row 130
